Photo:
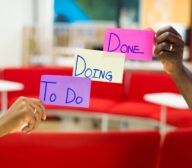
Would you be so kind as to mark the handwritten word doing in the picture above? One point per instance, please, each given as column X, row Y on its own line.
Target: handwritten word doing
column 124, row 48
column 70, row 95
column 91, row 72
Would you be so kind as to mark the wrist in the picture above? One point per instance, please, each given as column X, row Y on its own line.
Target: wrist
column 178, row 72
column 4, row 126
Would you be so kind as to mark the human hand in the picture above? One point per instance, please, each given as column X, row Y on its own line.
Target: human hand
column 169, row 48
column 27, row 112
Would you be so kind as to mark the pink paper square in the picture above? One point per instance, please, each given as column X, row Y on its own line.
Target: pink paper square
column 136, row 44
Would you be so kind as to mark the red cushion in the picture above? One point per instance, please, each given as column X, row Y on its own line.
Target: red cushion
column 82, row 150
column 177, row 150
column 101, row 105
column 1, row 74
column 135, row 109
column 96, row 105
column 1, row 77
column 176, row 117
column 30, row 77
column 142, row 83
column 112, row 91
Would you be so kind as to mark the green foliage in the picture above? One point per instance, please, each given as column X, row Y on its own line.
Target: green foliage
column 106, row 9
column 99, row 9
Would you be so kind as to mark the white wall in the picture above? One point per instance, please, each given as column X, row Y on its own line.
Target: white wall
column 44, row 22
column 14, row 14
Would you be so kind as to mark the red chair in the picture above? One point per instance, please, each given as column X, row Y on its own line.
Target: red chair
column 82, row 150
column 1, row 77
column 139, row 84
column 1, row 74
column 177, row 150
column 142, row 83
column 177, row 117
column 103, row 95
column 30, row 77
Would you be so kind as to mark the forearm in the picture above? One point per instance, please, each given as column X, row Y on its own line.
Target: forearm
column 4, row 127
column 183, row 80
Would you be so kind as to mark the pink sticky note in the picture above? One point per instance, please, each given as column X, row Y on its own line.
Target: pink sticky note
column 136, row 44
column 65, row 90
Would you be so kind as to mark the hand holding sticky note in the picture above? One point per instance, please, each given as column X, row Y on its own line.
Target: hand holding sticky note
column 136, row 44
column 65, row 90
column 99, row 66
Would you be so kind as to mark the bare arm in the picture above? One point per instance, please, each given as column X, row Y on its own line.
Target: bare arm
column 169, row 50
column 183, row 81
column 26, row 112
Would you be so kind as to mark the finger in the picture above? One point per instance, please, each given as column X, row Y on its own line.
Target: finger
column 170, row 37
column 167, row 29
column 36, row 110
column 37, row 116
column 165, row 55
column 40, row 104
column 149, row 28
column 29, row 110
column 164, row 46
column 35, row 105
column 25, row 128
column 30, row 126
column 155, row 40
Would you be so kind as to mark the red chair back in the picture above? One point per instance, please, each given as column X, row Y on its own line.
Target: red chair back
column 30, row 77
column 142, row 83
column 177, row 150
column 82, row 150
column 1, row 74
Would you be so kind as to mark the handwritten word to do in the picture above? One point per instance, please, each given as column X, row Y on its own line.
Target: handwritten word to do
column 136, row 44
column 99, row 65
column 65, row 90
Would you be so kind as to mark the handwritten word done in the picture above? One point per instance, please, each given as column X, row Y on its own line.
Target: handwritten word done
column 135, row 44
column 124, row 48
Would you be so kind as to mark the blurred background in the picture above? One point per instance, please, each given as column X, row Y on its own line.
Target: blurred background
column 44, row 33
column 143, row 122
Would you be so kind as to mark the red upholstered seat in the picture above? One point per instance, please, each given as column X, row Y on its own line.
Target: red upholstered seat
column 124, row 99
column 139, row 84
column 96, row 105
column 176, row 117
column 140, row 109
column 1, row 74
column 82, row 150
column 1, row 77
column 176, row 151
column 30, row 77
column 142, row 83
column 101, row 105
column 103, row 95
